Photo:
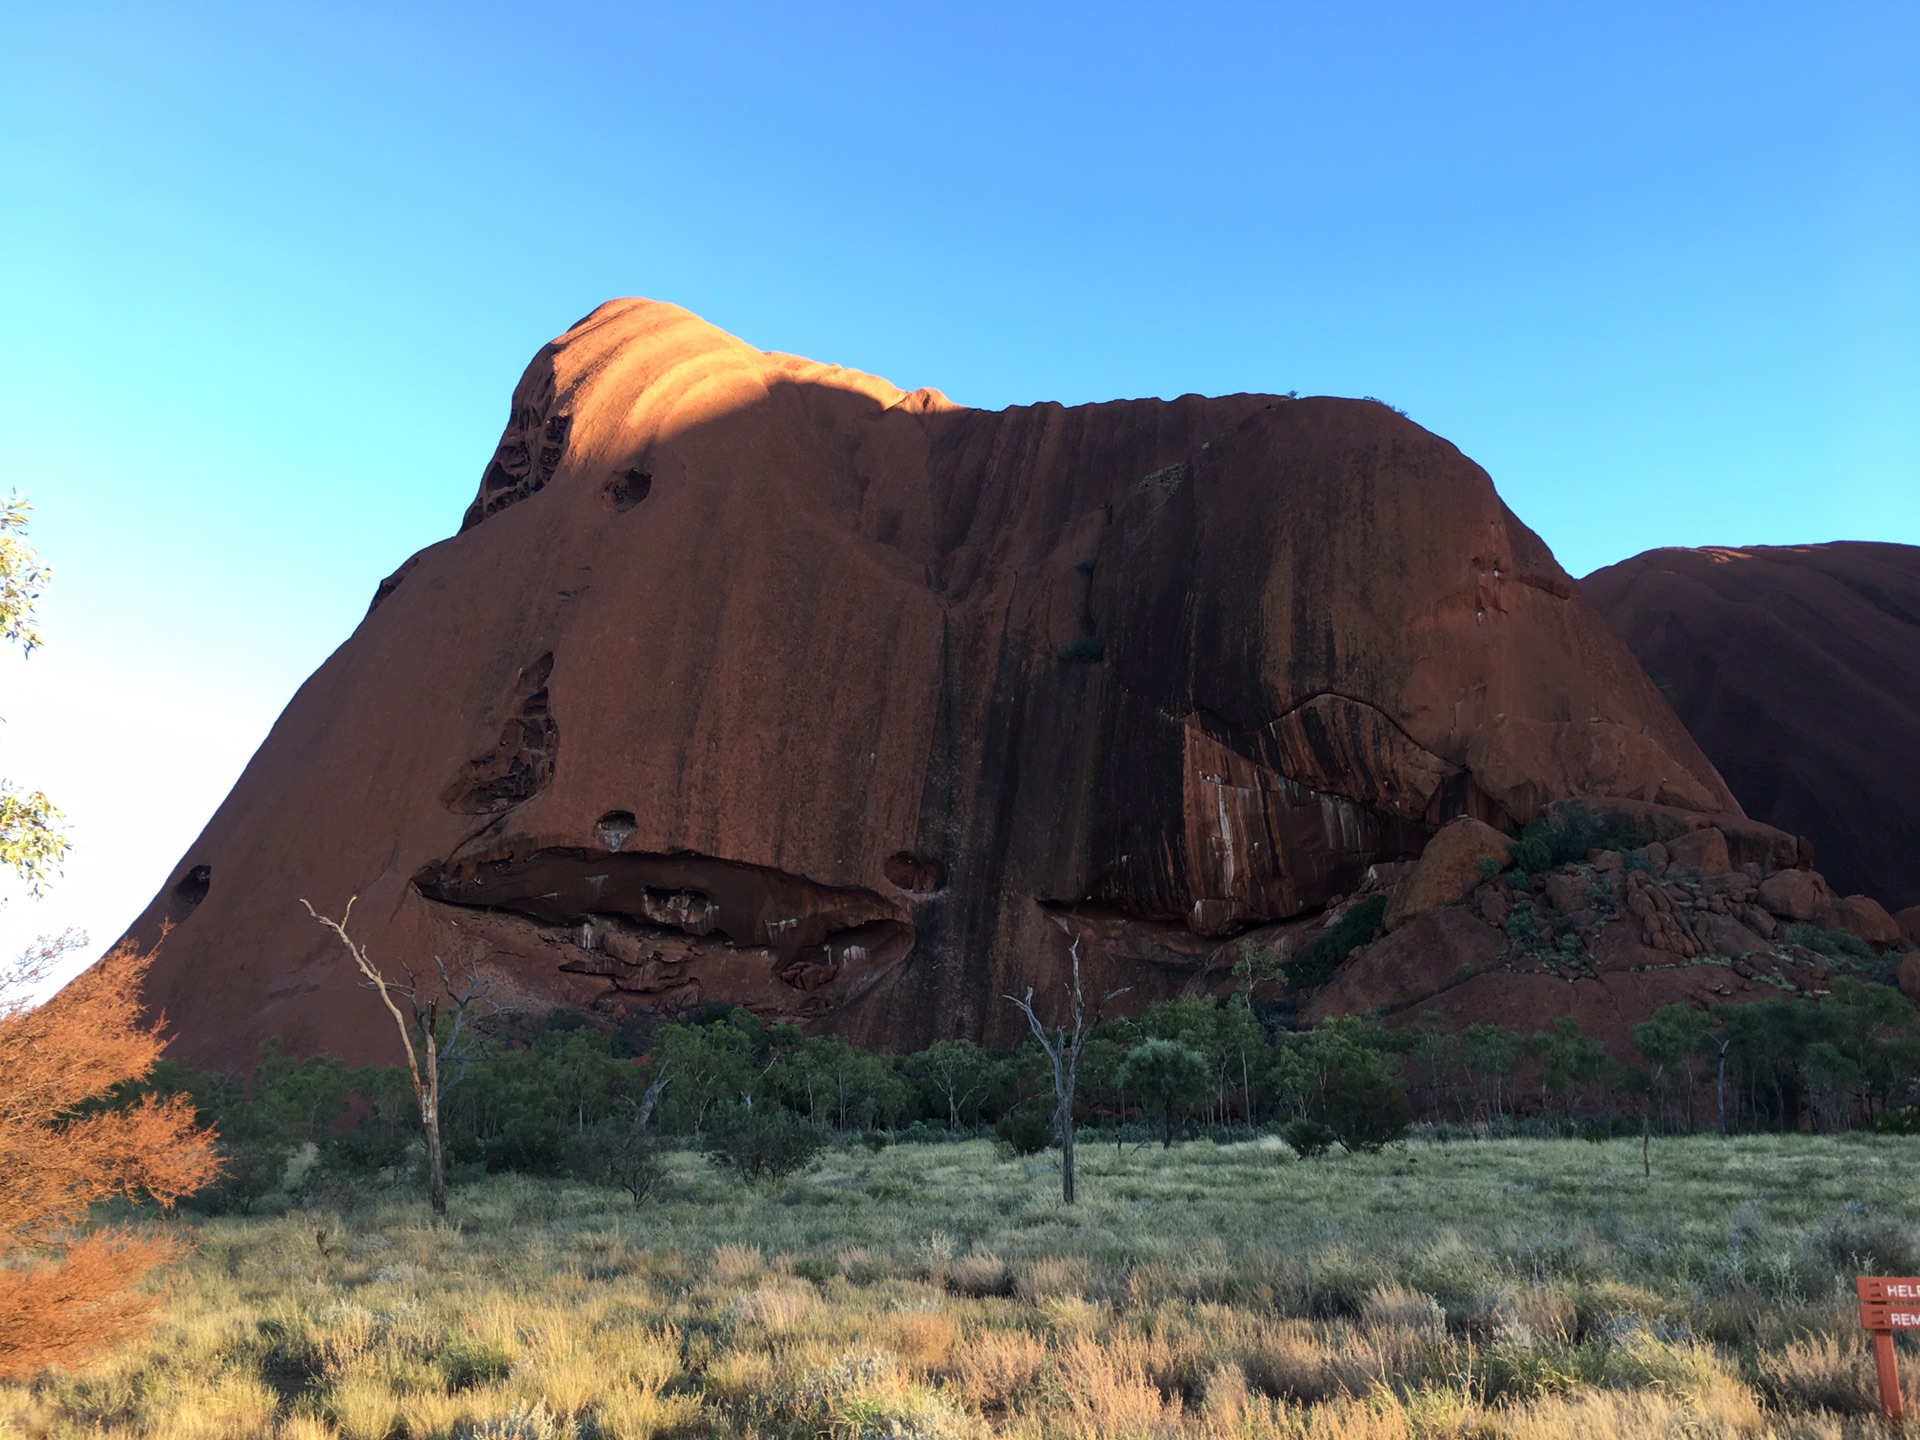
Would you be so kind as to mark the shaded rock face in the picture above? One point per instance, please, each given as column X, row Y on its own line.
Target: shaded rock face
column 756, row 681
column 1798, row 671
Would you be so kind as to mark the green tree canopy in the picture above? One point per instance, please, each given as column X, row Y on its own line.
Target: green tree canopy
column 1168, row 1076
column 31, row 841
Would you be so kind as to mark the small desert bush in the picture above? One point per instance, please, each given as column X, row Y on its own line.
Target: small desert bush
column 763, row 1144
column 1834, row 944
column 1567, row 834
column 1855, row 1240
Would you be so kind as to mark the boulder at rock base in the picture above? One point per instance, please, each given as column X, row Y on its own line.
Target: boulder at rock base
column 1449, row 869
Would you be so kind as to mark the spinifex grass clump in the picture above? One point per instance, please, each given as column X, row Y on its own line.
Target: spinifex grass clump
column 1483, row 1289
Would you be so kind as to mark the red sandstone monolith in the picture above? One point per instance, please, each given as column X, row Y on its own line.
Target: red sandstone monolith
column 750, row 680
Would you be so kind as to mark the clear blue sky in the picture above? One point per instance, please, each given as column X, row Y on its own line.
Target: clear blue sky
column 268, row 273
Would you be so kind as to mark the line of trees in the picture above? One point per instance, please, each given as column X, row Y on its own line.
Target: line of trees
column 562, row 1096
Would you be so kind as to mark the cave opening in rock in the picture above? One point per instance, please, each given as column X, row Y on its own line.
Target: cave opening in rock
column 628, row 488
column 194, row 885
column 187, row 893
column 912, row 873
column 615, row 828
column 750, row 905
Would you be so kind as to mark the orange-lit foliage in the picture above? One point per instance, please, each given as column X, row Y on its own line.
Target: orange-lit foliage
column 65, row 1293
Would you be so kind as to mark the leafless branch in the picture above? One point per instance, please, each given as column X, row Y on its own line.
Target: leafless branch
column 644, row 1110
column 21, row 977
column 467, row 998
column 420, row 1038
column 1064, row 1055
column 379, row 984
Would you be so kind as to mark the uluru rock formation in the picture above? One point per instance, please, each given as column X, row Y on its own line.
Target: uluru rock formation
column 759, row 681
column 1797, row 668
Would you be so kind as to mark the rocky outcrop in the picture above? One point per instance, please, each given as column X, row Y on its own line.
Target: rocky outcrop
column 1909, row 922
column 750, row 680
column 1797, row 668
column 1448, row 869
column 1797, row 895
column 1704, row 850
column 1612, row 938
column 1908, row 975
column 1864, row 918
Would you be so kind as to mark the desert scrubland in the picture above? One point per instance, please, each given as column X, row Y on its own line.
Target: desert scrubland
column 1493, row 1287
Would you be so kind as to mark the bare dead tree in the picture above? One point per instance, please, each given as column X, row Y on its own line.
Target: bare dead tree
column 1063, row 1049
column 644, row 1110
column 1719, row 1043
column 638, row 1167
column 428, row 1053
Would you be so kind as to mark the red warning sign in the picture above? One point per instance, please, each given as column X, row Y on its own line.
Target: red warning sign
column 1888, row 1303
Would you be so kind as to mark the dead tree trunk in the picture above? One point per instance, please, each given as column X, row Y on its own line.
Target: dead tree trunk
column 430, row 1105
column 1720, row 1090
column 639, row 1165
column 425, row 1051
column 1063, row 1053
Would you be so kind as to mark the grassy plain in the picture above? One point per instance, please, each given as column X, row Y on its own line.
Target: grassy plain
column 1520, row 1288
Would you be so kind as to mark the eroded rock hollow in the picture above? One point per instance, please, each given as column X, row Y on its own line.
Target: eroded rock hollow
column 754, row 680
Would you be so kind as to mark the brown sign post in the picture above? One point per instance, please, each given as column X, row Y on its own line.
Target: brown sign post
column 1887, row 1304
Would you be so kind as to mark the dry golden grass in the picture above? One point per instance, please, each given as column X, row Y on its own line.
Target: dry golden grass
column 1822, row 1372
column 732, row 1264
column 923, row 1340
column 1047, row 1277
column 1401, row 1307
column 978, row 1273
column 997, row 1366
column 1500, row 1291
column 774, row 1308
